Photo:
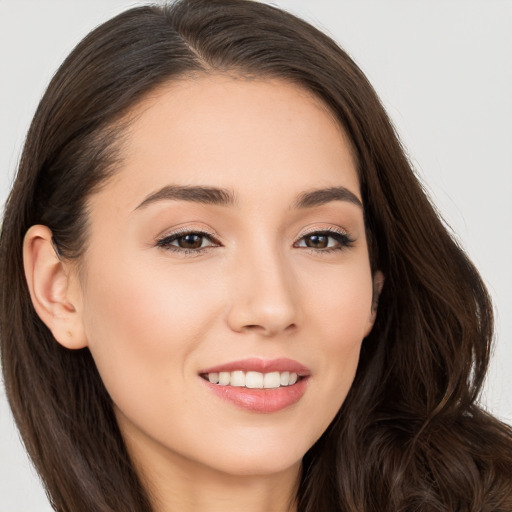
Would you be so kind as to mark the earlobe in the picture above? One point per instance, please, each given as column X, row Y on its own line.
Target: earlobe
column 49, row 283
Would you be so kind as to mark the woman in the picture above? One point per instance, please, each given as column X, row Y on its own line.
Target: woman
column 228, row 295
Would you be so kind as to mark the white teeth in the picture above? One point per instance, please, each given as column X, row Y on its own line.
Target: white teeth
column 237, row 379
column 271, row 380
column 224, row 378
column 253, row 380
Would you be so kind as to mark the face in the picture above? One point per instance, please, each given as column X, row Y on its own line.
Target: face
column 229, row 247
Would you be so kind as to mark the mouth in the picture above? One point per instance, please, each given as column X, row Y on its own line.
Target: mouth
column 253, row 380
column 258, row 385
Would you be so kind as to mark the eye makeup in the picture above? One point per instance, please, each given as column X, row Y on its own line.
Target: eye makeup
column 325, row 241
column 188, row 241
column 193, row 242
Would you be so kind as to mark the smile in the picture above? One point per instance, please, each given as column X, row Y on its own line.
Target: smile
column 252, row 380
column 258, row 385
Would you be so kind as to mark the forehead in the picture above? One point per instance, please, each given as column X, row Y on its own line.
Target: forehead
column 253, row 136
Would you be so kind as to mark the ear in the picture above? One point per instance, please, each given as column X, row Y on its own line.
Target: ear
column 54, row 288
column 378, row 283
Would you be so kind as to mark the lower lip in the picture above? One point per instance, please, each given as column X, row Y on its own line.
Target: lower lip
column 261, row 400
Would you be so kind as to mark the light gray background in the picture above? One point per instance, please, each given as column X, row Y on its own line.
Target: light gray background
column 443, row 69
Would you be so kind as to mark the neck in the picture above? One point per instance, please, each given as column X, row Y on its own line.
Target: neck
column 175, row 482
column 189, row 487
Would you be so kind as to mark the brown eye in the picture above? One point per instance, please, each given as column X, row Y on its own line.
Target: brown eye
column 317, row 241
column 190, row 241
column 325, row 241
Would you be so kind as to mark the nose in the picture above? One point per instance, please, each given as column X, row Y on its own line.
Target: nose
column 263, row 295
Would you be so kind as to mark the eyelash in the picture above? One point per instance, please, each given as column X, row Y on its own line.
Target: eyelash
column 343, row 240
column 165, row 242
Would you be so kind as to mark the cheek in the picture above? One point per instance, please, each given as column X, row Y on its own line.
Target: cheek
column 340, row 308
column 142, row 323
column 341, row 302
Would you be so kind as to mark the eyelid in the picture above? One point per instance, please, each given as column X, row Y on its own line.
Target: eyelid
column 163, row 241
column 343, row 238
column 324, row 229
column 187, row 230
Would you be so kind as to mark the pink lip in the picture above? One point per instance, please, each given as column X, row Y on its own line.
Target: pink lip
column 261, row 400
column 261, row 365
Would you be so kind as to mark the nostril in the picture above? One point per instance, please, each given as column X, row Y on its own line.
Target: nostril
column 268, row 328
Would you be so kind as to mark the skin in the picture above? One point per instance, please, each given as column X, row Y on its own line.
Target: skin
column 153, row 318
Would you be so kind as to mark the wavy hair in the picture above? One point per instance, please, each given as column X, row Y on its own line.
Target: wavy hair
column 410, row 435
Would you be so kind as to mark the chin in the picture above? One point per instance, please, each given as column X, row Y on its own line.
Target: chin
column 259, row 466
column 260, row 458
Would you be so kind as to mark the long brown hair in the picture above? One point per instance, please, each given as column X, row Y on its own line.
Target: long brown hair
column 410, row 436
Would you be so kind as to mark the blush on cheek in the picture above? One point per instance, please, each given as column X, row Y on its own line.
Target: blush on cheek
column 346, row 308
column 141, row 321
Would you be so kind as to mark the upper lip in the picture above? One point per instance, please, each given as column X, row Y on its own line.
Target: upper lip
column 282, row 364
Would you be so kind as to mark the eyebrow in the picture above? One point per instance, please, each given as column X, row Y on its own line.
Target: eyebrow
column 195, row 194
column 225, row 197
column 322, row 196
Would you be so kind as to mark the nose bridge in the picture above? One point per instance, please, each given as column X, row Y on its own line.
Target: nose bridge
column 263, row 297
